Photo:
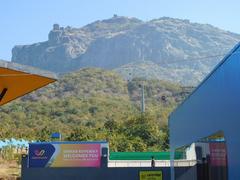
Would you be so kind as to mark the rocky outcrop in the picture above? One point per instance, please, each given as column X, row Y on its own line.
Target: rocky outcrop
column 119, row 40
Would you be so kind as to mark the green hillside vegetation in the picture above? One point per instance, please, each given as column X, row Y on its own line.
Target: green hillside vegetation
column 95, row 104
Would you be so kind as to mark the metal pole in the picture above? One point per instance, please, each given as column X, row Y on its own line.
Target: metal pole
column 143, row 99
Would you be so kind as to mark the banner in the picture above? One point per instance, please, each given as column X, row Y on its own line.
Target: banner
column 64, row 155
column 150, row 175
column 218, row 154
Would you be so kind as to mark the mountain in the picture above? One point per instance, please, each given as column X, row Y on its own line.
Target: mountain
column 150, row 71
column 172, row 44
column 94, row 104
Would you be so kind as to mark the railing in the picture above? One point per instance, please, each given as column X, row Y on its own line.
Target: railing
column 147, row 163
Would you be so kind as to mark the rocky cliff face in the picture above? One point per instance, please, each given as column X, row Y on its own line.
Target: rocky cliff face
column 70, row 48
column 118, row 41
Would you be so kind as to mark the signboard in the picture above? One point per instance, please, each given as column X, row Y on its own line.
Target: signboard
column 150, row 175
column 56, row 135
column 218, row 154
column 65, row 154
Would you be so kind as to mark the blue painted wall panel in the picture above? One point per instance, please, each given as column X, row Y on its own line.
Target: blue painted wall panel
column 213, row 106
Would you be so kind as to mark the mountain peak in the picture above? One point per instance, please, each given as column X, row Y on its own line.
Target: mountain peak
column 120, row 40
column 122, row 19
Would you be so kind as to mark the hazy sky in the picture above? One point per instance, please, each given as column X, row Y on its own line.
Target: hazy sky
column 29, row 21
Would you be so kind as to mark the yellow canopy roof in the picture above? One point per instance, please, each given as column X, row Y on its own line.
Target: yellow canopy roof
column 16, row 83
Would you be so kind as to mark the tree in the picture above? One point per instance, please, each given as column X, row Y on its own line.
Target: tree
column 79, row 134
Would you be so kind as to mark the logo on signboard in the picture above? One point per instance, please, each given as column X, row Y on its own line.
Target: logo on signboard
column 39, row 153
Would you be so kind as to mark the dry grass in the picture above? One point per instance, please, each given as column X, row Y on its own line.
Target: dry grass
column 9, row 170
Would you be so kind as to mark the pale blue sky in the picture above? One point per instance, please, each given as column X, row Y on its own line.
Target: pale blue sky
column 29, row 21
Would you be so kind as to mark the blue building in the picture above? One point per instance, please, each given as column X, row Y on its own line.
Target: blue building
column 213, row 107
